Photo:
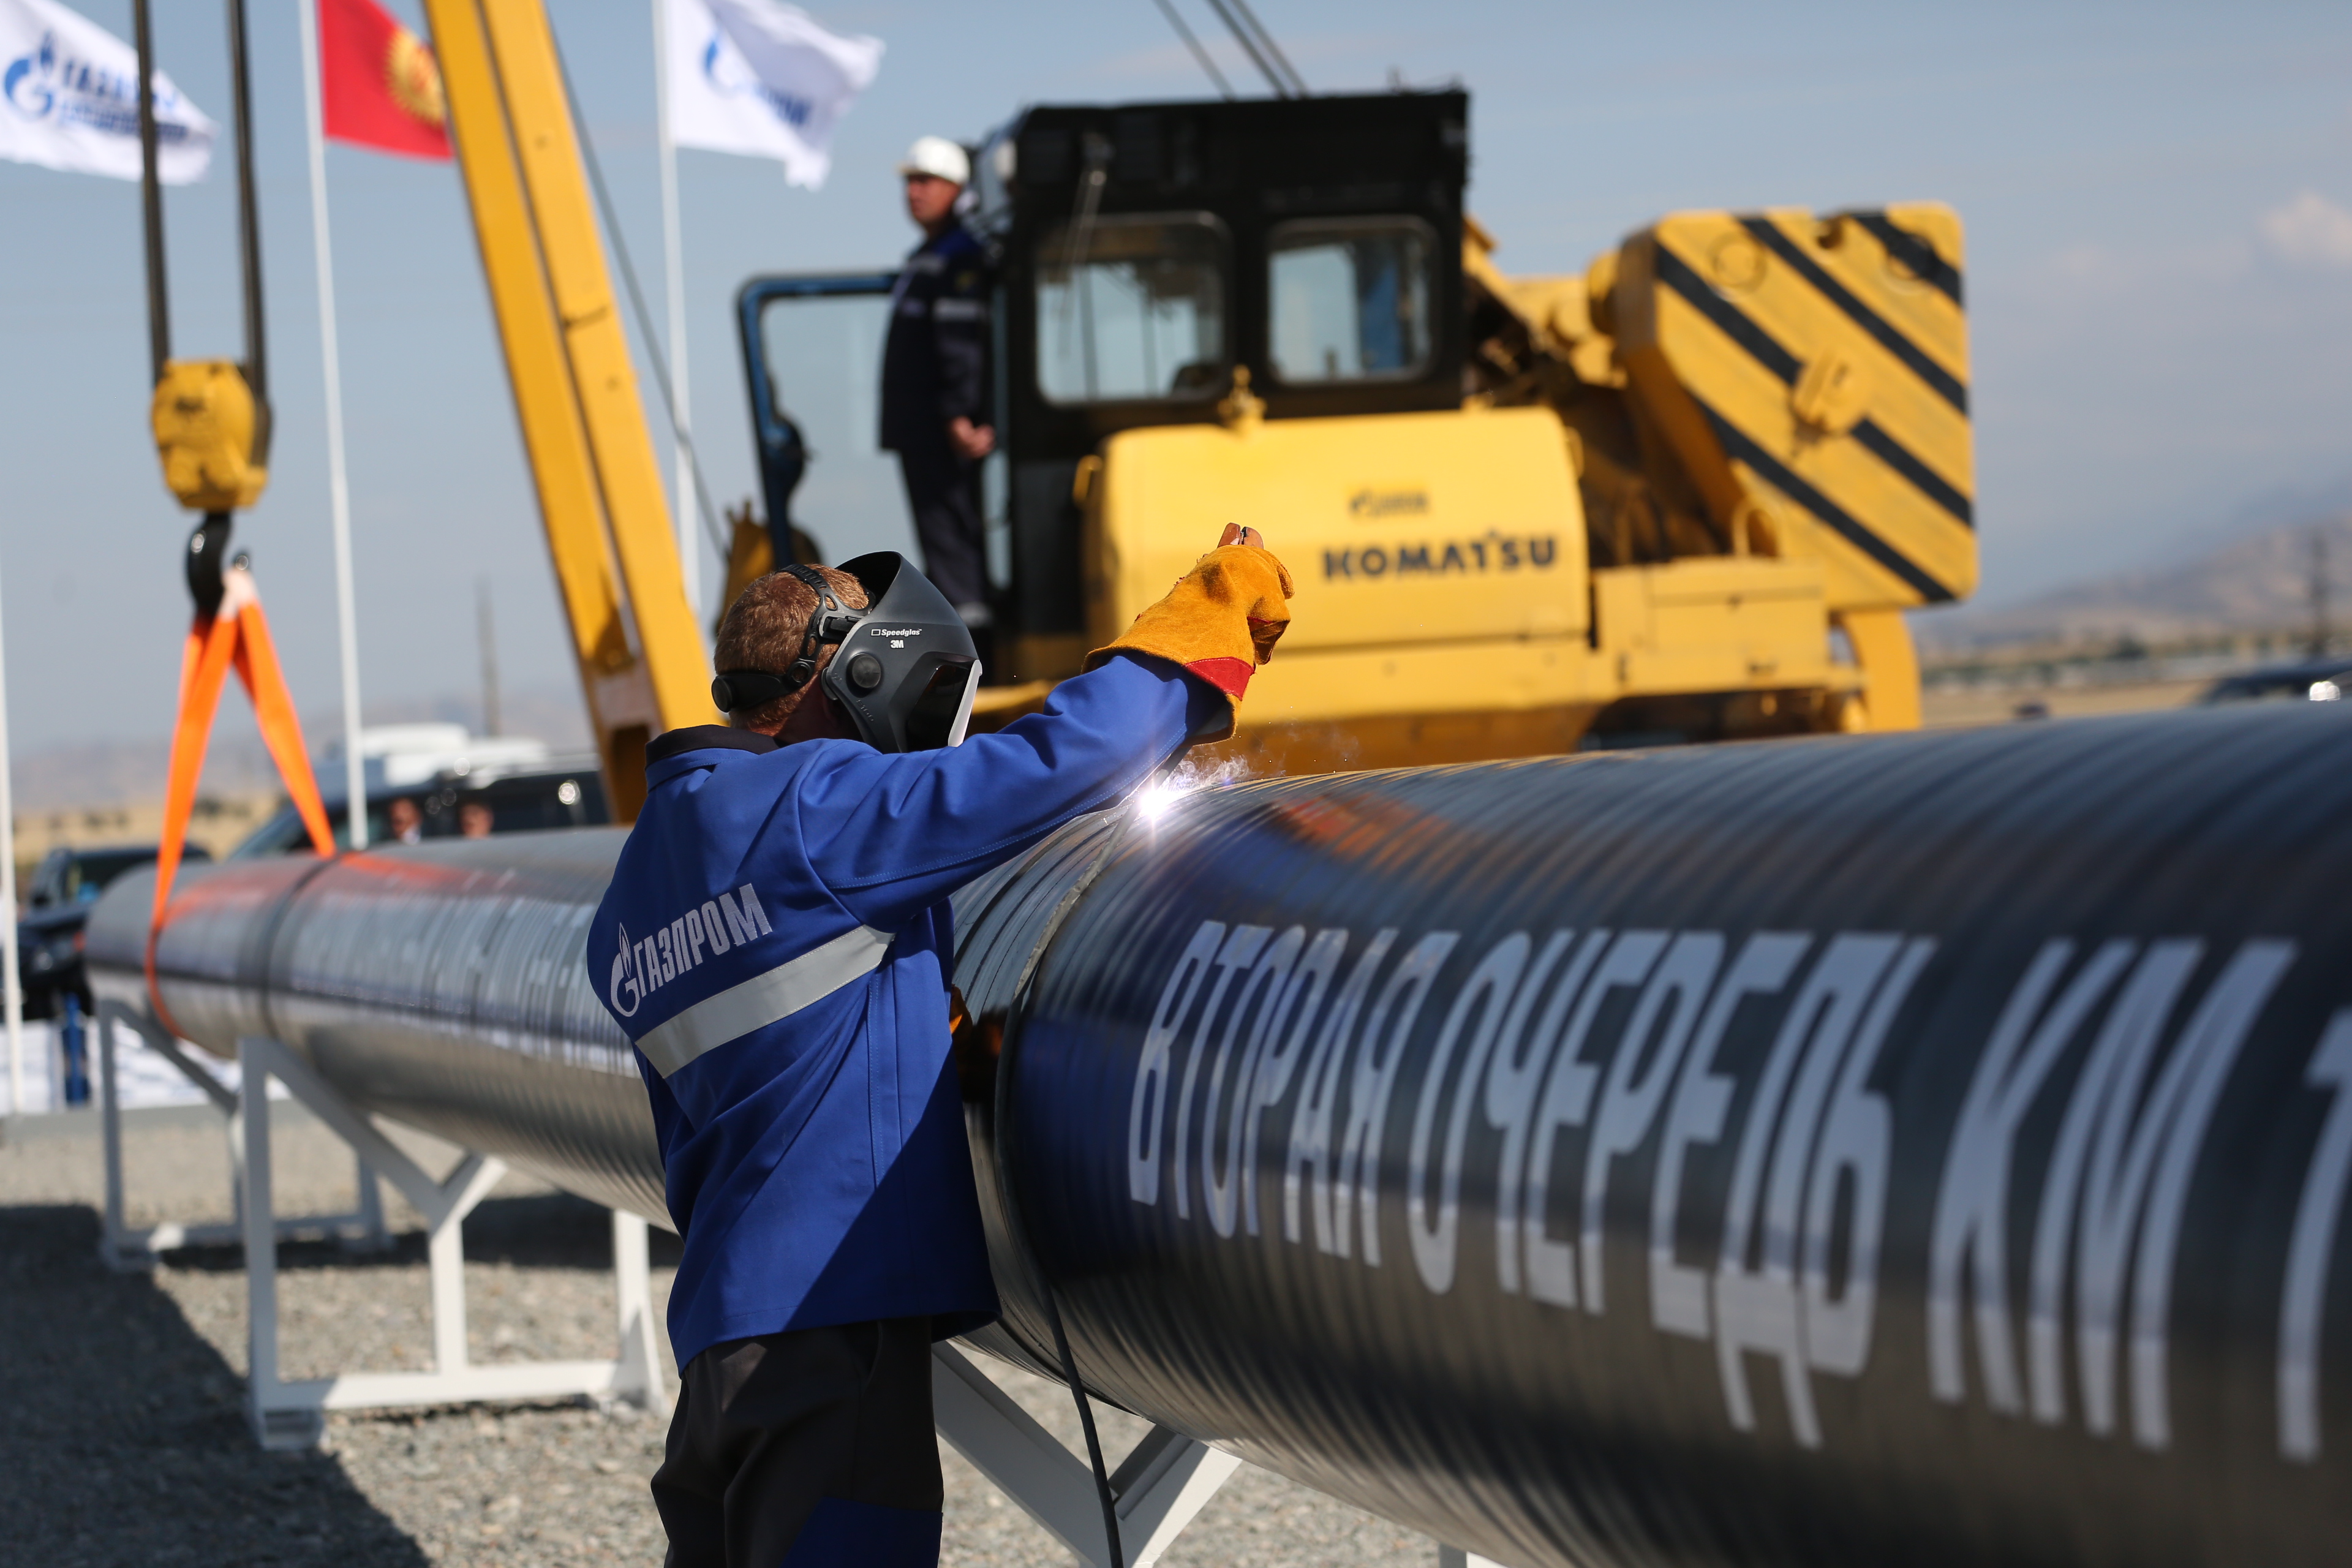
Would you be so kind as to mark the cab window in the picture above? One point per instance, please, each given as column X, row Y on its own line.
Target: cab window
column 1350, row 299
column 1132, row 309
column 823, row 357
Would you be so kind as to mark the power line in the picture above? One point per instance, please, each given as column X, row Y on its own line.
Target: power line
column 1194, row 44
column 1297, row 83
column 1249, row 46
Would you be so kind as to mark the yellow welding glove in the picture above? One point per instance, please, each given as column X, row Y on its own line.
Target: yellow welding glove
column 1219, row 621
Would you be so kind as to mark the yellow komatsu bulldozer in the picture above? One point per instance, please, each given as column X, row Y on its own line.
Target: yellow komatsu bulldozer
column 1685, row 496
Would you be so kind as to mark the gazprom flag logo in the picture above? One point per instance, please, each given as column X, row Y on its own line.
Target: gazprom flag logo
column 763, row 79
column 70, row 100
column 724, row 69
column 28, row 83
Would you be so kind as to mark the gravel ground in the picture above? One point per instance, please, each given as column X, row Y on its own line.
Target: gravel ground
column 128, row 1443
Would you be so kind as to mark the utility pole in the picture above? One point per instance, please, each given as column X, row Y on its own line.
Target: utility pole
column 486, row 629
column 2321, row 633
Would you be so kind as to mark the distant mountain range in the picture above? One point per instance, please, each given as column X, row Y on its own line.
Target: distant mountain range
column 2256, row 584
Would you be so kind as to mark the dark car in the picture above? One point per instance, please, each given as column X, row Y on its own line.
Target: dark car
column 560, row 793
column 2311, row 680
column 48, row 929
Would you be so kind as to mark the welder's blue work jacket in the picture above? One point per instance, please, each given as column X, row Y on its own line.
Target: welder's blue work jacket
column 776, row 940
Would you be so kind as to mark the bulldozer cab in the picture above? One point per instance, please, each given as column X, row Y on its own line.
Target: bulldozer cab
column 1156, row 264
column 813, row 356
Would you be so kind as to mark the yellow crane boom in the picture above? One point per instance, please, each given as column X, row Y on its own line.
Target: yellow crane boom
column 643, row 668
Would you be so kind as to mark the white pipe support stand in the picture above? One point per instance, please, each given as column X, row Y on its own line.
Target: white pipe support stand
column 124, row 1249
column 292, row 1415
column 1158, row 1489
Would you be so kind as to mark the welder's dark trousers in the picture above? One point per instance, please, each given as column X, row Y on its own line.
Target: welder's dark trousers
column 943, row 493
column 807, row 1449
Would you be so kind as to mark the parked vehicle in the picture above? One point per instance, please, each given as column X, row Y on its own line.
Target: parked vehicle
column 2308, row 680
column 48, row 927
column 556, row 792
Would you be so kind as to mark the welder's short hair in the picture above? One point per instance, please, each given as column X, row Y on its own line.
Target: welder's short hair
column 764, row 628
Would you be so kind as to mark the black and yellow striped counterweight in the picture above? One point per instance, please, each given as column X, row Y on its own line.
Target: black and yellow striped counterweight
column 1812, row 375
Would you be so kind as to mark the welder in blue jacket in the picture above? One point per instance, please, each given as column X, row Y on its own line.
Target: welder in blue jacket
column 776, row 942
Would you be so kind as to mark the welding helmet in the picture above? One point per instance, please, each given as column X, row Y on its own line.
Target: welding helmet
column 906, row 671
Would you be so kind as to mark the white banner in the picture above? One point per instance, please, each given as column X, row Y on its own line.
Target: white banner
column 760, row 77
column 70, row 100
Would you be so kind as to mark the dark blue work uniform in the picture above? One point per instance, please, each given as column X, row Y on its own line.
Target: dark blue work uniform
column 935, row 368
column 776, row 942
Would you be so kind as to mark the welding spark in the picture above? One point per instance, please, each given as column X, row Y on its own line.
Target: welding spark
column 1156, row 799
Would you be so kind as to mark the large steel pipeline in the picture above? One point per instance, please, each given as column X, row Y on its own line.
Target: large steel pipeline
column 440, row 985
column 1925, row 1149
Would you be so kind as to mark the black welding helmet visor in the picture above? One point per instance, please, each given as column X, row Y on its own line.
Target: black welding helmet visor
column 908, row 671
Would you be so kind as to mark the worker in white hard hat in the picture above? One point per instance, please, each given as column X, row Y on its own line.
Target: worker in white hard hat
column 935, row 378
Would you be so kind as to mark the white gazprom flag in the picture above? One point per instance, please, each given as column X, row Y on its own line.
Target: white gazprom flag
column 760, row 77
column 70, row 100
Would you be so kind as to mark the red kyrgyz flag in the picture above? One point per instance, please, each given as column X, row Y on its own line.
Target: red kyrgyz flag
column 382, row 84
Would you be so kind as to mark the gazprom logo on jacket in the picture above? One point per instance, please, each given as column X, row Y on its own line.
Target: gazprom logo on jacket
column 641, row 967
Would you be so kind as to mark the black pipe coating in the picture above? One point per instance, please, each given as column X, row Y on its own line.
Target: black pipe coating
column 1924, row 1149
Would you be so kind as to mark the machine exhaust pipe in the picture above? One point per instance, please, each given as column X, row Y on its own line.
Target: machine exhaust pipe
column 1926, row 1148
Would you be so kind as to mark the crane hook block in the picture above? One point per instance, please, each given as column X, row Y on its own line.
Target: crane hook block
column 206, row 422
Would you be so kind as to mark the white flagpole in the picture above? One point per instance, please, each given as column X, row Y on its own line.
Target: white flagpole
column 338, row 493
column 13, row 982
column 689, row 547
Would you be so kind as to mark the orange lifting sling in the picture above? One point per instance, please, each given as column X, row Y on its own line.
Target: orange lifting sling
column 237, row 635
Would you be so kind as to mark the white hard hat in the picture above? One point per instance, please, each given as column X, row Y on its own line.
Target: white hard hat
column 939, row 158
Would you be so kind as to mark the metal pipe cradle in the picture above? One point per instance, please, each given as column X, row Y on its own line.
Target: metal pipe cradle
column 1925, row 1149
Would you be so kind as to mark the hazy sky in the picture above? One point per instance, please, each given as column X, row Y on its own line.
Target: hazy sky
column 2158, row 201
